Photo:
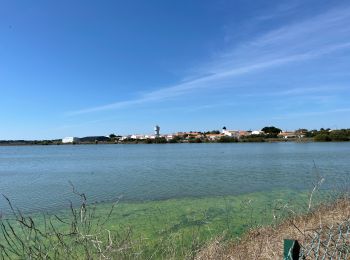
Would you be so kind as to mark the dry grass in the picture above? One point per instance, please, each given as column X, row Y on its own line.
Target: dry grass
column 267, row 242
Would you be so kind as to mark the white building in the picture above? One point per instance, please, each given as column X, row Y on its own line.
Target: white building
column 231, row 133
column 169, row 137
column 257, row 132
column 214, row 137
column 140, row 137
column 124, row 137
column 287, row 134
column 70, row 140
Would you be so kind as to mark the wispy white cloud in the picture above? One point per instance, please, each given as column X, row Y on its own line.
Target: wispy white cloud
column 280, row 10
column 309, row 39
column 314, row 113
column 298, row 91
column 84, row 123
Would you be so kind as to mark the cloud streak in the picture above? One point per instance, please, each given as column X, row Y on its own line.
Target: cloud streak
column 316, row 113
column 299, row 91
column 312, row 38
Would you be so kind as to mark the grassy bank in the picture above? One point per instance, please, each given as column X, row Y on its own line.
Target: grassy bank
column 176, row 228
column 322, row 233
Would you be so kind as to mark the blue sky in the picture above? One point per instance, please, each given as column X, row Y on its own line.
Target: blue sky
column 78, row 68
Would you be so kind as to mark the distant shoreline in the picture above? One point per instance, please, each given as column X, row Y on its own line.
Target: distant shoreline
column 269, row 134
column 42, row 143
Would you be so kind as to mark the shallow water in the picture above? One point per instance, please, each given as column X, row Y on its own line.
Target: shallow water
column 36, row 177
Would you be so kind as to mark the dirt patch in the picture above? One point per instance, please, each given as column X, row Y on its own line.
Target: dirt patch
column 267, row 242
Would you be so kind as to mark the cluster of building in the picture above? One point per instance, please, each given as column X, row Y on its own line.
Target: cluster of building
column 192, row 135
column 143, row 137
column 211, row 136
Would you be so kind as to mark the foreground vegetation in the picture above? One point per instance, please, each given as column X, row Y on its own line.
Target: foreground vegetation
column 170, row 229
column 322, row 233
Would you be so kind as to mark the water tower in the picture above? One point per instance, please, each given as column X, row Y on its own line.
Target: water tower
column 156, row 130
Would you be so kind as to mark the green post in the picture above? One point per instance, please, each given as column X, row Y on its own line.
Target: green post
column 291, row 249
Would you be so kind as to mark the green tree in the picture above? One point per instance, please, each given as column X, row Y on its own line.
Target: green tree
column 227, row 139
column 322, row 137
column 160, row 140
column 194, row 140
column 175, row 139
column 339, row 135
column 112, row 136
column 148, row 141
column 271, row 131
column 253, row 138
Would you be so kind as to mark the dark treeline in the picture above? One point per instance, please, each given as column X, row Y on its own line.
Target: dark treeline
column 327, row 135
column 30, row 142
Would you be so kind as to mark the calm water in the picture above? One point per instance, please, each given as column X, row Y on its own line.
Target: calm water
column 36, row 177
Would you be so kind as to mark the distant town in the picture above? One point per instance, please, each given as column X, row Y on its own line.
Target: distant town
column 266, row 134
